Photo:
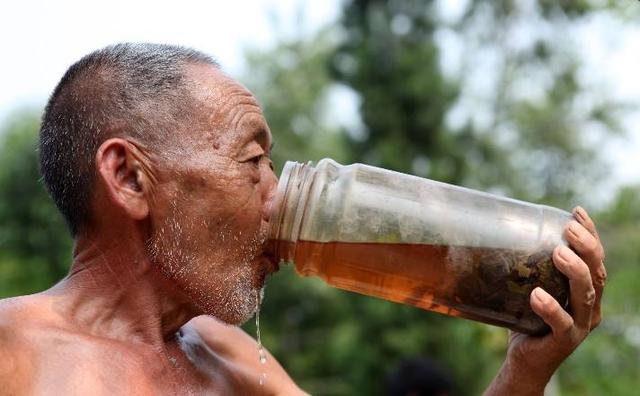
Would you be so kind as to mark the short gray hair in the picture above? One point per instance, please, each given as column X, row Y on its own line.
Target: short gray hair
column 135, row 90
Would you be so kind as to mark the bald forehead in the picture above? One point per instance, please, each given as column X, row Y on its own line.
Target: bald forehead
column 221, row 93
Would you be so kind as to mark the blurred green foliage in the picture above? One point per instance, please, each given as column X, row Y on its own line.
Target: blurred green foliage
column 533, row 132
column 34, row 245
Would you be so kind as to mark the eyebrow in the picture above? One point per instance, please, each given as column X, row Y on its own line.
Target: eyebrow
column 261, row 136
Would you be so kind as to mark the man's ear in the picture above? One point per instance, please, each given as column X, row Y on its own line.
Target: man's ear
column 119, row 168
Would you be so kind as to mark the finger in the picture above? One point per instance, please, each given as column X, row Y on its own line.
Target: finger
column 545, row 306
column 583, row 237
column 583, row 295
column 585, row 244
column 599, row 279
column 583, row 218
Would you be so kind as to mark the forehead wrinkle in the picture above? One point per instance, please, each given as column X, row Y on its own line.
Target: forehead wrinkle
column 229, row 103
column 220, row 108
column 229, row 93
column 226, row 118
column 238, row 112
column 242, row 115
column 218, row 117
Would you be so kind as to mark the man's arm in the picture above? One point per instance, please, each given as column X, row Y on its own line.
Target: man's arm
column 237, row 358
column 531, row 361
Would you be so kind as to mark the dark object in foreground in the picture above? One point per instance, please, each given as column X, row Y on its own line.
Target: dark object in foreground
column 419, row 377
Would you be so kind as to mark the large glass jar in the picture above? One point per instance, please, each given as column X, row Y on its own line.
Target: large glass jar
column 415, row 241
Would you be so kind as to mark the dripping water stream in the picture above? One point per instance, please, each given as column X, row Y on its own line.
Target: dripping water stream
column 262, row 356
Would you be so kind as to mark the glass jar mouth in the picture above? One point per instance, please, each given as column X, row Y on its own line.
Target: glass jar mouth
column 288, row 207
column 277, row 212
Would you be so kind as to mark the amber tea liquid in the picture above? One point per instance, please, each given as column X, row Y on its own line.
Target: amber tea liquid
column 490, row 285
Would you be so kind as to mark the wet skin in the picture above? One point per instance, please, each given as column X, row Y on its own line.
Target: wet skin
column 176, row 241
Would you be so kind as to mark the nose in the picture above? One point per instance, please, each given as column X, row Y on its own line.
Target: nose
column 269, row 194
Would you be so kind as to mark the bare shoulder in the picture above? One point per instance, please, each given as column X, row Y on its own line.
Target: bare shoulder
column 40, row 352
column 15, row 317
column 31, row 340
column 16, row 352
column 20, row 314
column 7, row 338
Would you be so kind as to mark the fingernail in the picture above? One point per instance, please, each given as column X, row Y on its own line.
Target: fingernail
column 580, row 212
column 538, row 294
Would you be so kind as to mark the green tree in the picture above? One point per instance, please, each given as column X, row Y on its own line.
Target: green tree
column 35, row 249
column 390, row 58
column 523, row 122
column 292, row 84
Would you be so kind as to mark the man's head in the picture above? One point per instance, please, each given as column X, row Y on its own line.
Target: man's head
column 155, row 142
column 135, row 90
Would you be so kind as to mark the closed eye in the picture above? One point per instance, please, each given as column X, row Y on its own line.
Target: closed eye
column 256, row 160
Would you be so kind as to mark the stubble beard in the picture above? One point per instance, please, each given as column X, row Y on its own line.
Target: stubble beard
column 229, row 290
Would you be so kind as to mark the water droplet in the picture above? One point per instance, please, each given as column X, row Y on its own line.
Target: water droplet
column 262, row 355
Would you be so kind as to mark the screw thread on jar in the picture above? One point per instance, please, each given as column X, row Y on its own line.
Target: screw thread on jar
column 290, row 203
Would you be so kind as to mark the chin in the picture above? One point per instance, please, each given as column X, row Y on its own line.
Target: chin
column 234, row 307
column 231, row 293
column 235, row 319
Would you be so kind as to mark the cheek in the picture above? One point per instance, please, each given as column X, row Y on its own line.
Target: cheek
column 233, row 215
column 229, row 203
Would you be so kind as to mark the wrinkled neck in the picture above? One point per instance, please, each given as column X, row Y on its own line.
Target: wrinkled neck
column 115, row 291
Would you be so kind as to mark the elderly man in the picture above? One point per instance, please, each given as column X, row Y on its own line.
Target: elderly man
column 160, row 165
